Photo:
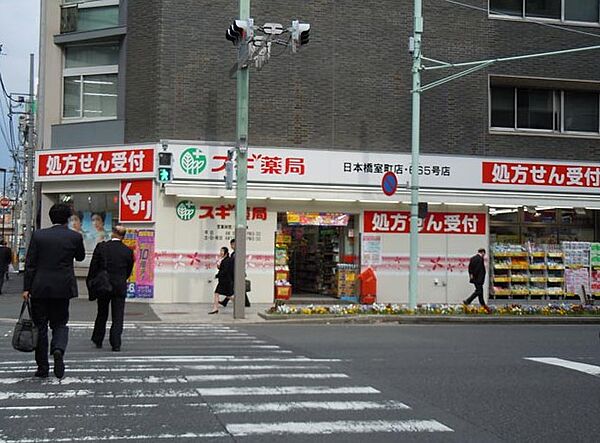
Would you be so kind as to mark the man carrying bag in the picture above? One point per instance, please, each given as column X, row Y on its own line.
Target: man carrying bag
column 112, row 261
column 50, row 283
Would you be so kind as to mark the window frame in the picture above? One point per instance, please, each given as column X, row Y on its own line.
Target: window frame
column 81, row 73
column 524, row 17
column 560, row 86
column 88, row 5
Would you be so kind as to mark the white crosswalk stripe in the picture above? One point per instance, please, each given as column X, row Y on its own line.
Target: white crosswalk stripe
column 221, row 384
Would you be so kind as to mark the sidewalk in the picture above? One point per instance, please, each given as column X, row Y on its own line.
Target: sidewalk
column 82, row 310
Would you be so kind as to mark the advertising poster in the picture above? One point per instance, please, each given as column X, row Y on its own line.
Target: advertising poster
column 95, row 227
column 371, row 250
column 141, row 282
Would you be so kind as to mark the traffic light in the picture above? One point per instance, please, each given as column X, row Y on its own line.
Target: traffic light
column 238, row 31
column 423, row 209
column 165, row 167
column 300, row 34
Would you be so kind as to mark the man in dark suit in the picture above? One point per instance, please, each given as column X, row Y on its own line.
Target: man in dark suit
column 477, row 277
column 5, row 259
column 50, row 284
column 118, row 259
column 225, row 301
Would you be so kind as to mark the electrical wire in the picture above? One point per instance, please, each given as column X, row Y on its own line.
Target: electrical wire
column 5, row 92
column 529, row 20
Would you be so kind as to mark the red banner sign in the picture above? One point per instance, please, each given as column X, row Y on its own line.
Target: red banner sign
column 69, row 164
column 540, row 174
column 398, row 222
column 136, row 201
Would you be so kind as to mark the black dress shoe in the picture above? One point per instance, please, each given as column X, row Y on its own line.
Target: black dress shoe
column 97, row 344
column 41, row 372
column 59, row 364
column 116, row 348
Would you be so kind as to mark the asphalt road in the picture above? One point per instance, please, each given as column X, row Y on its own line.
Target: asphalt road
column 338, row 383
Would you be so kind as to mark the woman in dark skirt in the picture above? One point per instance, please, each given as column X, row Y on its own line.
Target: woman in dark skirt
column 225, row 277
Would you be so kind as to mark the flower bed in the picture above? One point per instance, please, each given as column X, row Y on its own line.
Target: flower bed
column 551, row 309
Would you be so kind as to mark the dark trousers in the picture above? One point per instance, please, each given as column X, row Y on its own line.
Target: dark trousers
column 3, row 277
column 117, row 308
column 477, row 293
column 53, row 312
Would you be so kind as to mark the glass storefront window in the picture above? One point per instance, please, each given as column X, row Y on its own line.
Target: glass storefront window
column 94, row 215
column 545, row 216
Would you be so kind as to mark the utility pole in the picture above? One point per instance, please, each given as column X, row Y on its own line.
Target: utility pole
column 417, row 90
column 241, row 190
column 29, row 159
column 415, row 47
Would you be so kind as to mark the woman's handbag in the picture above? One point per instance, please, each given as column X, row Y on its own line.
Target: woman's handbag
column 25, row 334
column 99, row 286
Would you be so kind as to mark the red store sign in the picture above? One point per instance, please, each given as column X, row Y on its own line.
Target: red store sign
column 95, row 164
column 541, row 174
column 136, row 201
column 398, row 222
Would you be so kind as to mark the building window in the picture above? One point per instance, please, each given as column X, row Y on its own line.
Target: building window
column 581, row 11
column 544, row 109
column 79, row 16
column 90, row 82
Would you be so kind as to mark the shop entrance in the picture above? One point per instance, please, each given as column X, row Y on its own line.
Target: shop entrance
column 319, row 255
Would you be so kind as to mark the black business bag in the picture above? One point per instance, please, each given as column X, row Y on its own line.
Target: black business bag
column 99, row 286
column 25, row 334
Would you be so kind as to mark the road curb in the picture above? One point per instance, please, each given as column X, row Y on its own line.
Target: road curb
column 427, row 319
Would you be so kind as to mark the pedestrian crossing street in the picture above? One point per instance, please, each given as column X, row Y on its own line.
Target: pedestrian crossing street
column 199, row 383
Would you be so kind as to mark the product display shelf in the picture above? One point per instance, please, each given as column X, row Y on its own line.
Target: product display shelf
column 347, row 277
column 329, row 258
column 527, row 271
column 556, row 274
column 538, row 277
column 282, row 286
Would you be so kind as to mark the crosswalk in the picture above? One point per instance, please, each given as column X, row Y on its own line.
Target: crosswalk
column 198, row 383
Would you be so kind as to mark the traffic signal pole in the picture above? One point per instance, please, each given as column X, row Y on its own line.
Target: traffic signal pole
column 243, row 80
column 413, row 276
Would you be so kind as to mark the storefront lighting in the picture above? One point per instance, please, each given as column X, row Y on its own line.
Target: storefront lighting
column 299, row 199
column 387, row 202
column 340, row 200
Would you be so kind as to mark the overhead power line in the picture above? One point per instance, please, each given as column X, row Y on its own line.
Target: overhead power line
column 529, row 20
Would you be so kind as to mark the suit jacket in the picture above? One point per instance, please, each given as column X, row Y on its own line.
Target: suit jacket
column 49, row 262
column 119, row 262
column 477, row 269
column 5, row 258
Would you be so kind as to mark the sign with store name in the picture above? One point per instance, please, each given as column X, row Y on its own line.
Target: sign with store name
column 136, row 201
column 187, row 210
column 95, row 164
column 398, row 222
column 541, row 174
column 206, row 163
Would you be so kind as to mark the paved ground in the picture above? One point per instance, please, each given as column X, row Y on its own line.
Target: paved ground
column 81, row 309
column 330, row 383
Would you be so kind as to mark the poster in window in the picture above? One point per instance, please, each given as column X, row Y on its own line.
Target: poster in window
column 141, row 281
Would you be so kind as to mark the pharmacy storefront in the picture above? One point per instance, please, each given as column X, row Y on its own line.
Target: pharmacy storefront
column 316, row 218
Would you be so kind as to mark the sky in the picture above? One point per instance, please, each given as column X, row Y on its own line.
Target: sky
column 19, row 36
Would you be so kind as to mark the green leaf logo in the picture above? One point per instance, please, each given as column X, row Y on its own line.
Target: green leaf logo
column 192, row 161
column 186, row 210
